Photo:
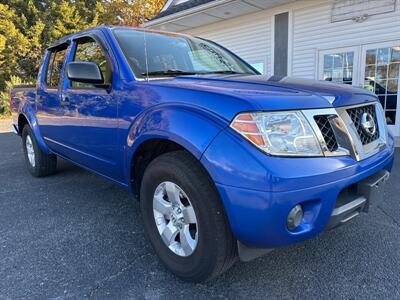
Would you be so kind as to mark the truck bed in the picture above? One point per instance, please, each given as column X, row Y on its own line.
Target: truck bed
column 21, row 97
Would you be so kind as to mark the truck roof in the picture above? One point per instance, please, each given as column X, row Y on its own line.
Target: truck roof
column 68, row 38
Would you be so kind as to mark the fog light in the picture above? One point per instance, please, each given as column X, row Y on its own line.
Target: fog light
column 294, row 218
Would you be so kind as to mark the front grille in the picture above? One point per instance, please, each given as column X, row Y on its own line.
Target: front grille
column 327, row 132
column 356, row 115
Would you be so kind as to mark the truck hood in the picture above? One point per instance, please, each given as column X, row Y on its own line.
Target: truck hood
column 231, row 94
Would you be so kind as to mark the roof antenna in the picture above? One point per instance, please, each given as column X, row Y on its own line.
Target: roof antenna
column 145, row 54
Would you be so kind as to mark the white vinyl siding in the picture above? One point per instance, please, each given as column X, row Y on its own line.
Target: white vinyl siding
column 313, row 31
column 310, row 32
column 248, row 36
column 312, row 35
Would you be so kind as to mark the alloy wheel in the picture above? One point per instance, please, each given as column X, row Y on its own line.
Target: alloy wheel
column 30, row 151
column 175, row 219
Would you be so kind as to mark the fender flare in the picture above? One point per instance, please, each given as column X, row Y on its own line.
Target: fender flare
column 191, row 127
column 30, row 116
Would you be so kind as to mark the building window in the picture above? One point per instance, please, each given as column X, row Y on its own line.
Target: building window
column 338, row 67
column 382, row 75
column 259, row 66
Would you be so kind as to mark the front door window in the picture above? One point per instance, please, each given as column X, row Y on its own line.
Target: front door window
column 89, row 50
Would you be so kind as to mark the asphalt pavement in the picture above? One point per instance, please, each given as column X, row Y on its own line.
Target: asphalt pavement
column 76, row 235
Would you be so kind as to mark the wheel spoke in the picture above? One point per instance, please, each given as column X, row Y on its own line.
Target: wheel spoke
column 169, row 233
column 162, row 206
column 187, row 242
column 173, row 193
column 189, row 215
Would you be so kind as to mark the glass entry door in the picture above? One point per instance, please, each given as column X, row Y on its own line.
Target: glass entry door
column 375, row 67
column 380, row 73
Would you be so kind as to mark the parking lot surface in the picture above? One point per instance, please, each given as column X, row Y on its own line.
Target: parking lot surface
column 76, row 235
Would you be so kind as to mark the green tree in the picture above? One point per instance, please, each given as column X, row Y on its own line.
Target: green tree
column 129, row 12
column 14, row 45
column 67, row 18
column 28, row 27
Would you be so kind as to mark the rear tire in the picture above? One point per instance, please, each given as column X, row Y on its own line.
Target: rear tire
column 39, row 164
column 214, row 247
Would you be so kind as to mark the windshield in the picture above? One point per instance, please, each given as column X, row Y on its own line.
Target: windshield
column 173, row 55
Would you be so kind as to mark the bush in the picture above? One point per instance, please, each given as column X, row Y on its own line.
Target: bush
column 4, row 108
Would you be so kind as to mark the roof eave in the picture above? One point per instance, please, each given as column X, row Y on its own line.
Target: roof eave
column 184, row 13
column 167, row 5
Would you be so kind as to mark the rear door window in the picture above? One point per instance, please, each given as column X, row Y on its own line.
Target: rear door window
column 54, row 67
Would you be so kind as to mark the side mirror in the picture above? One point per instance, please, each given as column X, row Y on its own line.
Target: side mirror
column 85, row 72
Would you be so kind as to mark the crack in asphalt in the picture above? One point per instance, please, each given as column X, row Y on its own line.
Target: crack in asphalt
column 389, row 216
column 101, row 282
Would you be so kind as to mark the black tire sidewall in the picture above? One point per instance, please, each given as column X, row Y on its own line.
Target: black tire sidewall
column 201, row 263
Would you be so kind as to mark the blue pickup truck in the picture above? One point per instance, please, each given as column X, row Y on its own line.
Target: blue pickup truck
column 226, row 163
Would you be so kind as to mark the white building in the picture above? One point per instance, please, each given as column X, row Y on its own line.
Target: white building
column 352, row 41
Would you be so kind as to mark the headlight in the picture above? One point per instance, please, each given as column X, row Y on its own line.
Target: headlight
column 278, row 133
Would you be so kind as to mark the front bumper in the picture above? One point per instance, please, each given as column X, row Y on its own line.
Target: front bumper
column 357, row 198
column 258, row 191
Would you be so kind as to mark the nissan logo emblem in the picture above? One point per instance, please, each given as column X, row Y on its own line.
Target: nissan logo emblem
column 368, row 123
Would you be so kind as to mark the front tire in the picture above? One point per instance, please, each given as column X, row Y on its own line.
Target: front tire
column 184, row 218
column 39, row 164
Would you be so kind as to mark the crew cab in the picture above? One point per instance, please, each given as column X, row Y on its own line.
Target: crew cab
column 226, row 163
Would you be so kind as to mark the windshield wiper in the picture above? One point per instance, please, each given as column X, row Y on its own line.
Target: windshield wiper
column 225, row 72
column 168, row 73
column 181, row 72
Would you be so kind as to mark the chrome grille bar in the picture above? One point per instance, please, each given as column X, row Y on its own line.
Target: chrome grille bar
column 346, row 133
